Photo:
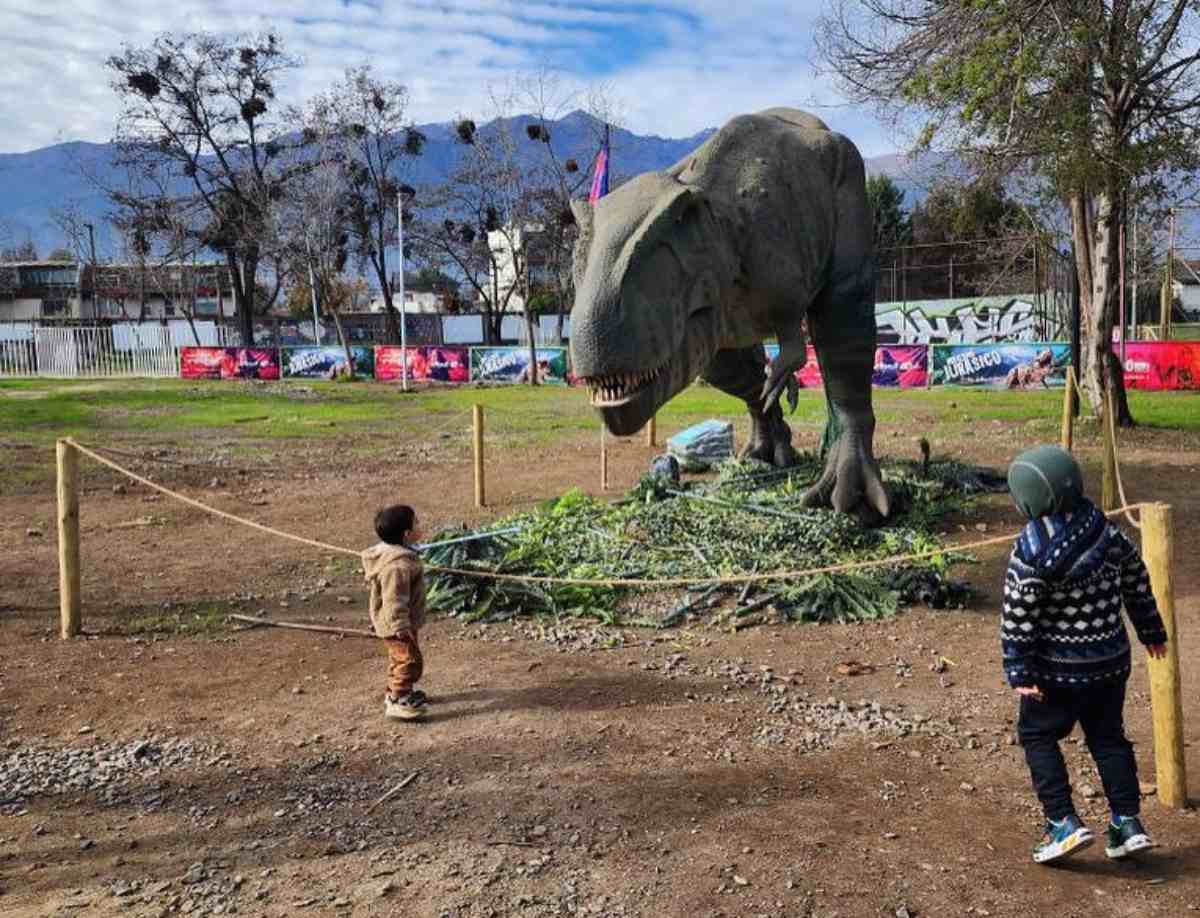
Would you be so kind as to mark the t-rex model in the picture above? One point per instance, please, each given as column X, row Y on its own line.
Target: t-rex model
column 684, row 273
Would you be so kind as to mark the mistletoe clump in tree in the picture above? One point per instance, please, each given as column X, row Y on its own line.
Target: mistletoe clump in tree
column 203, row 107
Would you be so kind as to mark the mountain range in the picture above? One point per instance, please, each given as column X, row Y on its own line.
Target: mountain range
column 34, row 184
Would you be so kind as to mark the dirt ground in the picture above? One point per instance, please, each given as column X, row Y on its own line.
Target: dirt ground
column 562, row 771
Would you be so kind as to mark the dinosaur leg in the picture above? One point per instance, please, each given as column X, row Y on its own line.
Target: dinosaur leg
column 842, row 324
column 740, row 372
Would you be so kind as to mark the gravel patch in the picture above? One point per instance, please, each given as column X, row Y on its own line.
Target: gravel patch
column 107, row 769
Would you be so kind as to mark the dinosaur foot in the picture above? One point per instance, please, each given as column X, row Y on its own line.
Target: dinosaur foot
column 851, row 482
column 771, row 442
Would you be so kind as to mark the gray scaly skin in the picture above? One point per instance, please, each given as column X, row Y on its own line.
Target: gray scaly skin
column 684, row 273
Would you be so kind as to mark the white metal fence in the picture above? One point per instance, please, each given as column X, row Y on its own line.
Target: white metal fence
column 102, row 352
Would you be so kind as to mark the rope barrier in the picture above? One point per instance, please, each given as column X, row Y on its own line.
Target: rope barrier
column 1110, row 421
column 162, row 460
column 454, row 419
column 199, row 505
column 572, row 581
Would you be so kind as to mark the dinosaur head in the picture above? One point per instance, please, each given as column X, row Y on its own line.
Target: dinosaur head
column 647, row 315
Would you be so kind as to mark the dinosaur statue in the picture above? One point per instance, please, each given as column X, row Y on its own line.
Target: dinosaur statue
column 684, row 273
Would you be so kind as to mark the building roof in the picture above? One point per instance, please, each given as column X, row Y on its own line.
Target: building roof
column 39, row 264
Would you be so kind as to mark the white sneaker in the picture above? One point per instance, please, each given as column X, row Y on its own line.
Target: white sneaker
column 406, row 707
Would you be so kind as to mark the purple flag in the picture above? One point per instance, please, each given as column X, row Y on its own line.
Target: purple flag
column 600, row 176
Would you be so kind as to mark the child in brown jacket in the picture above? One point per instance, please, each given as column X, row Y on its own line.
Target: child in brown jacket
column 397, row 583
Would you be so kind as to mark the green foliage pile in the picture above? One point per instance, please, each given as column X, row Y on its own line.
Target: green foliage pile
column 750, row 519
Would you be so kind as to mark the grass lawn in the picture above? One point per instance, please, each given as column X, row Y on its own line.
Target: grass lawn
column 38, row 411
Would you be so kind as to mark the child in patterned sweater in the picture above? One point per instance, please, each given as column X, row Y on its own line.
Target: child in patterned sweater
column 1066, row 652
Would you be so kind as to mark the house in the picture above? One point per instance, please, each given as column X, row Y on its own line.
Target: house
column 41, row 289
column 504, row 245
column 1187, row 286
column 76, row 290
column 424, row 300
column 156, row 292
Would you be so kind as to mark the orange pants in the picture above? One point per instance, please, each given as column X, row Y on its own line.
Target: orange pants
column 405, row 663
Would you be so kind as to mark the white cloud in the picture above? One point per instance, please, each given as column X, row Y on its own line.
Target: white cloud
column 679, row 65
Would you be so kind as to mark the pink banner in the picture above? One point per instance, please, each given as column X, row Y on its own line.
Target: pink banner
column 201, row 362
column 903, row 365
column 250, row 363
column 1161, row 364
column 425, row 364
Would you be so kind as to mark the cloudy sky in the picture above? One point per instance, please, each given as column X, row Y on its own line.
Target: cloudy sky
column 674, row 67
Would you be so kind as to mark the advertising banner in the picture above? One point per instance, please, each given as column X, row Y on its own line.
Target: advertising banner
column 903, row 365
column 327, row 362
column 425, row 364
column 511, row 364
column 1003, row 366
column 1161, row 364
column 201, row 362
column 250, row 363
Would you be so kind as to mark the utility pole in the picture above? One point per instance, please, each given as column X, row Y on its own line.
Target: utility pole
column 1076, row 350
column 92, row 249
column 312, row 290
column 1133, row 325
column 403, row 312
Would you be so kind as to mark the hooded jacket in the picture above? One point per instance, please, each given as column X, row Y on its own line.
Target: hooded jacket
column 397, row 584
column 1067, row 579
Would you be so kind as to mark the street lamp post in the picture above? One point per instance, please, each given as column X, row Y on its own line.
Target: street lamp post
column 404, row 192
column 400, row 273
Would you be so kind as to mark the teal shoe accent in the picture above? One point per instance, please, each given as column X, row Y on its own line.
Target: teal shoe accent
column 1062, row 838
column 1126, row 836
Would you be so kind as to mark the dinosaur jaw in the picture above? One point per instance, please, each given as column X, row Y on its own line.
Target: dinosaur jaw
column 627, row 401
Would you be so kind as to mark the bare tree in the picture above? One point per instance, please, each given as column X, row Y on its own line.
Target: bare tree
column 377, row 140
column 203, row 104
column 1099, row 100
column 505, row 208
column 561, row 172
column 310, row 228
column 475, row 222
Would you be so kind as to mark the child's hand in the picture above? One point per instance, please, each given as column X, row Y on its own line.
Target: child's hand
column 1031, row 691
column 1158, row 651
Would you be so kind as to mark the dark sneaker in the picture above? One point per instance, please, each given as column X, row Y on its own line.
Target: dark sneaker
column 1063, row 838
column 1125, row 837
column 419, row 697
column 409, row 706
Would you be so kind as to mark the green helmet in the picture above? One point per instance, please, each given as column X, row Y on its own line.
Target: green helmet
column 1044, row 481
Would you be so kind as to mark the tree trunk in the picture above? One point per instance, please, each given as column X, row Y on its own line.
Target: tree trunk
column 191, row 321
column 341, row 333
column 533, row 364
column 491, row 325
column 1094, row 225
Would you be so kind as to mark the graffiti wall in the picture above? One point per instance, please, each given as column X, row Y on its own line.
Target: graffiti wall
column 958, row 321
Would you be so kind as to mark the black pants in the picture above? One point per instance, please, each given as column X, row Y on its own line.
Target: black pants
column 1099, row 712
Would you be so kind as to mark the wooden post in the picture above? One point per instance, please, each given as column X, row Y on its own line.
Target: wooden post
column 1167, row 706
column 477, row 417
column 1068, row 414
column 68, row 538
column 1109, row 497
column 652, row 431
column 603, row 459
